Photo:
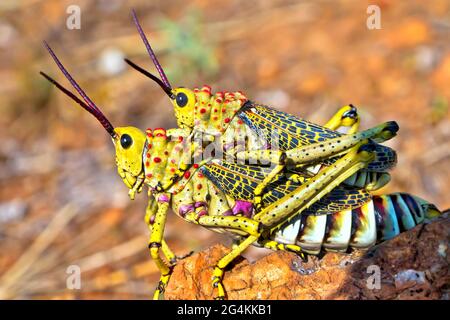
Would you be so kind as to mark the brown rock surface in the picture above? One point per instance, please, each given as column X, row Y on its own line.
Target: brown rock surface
column 414, row 265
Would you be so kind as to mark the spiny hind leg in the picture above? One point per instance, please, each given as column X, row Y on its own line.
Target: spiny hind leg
column 313, row 153
column 347, row 116
column 316, row 152
column 284, row 208
column 316, row 187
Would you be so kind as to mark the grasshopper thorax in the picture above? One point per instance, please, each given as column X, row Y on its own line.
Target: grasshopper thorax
column 206, row 111
column 163, row 154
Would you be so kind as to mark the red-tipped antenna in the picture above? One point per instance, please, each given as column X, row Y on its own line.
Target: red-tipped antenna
column 89, row 105
column 150, row 51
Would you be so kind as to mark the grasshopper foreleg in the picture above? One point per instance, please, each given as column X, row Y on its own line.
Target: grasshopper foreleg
column 150, row 215
column 156, row 242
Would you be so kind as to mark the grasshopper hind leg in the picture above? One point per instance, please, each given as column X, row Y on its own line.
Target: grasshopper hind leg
column 270, row 218
column 346, row 118
column 310, row 154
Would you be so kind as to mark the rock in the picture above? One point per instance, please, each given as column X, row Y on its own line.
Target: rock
column 414, row 265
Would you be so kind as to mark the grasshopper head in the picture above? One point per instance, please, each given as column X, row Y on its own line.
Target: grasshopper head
column 129, row 142
column 184, row 101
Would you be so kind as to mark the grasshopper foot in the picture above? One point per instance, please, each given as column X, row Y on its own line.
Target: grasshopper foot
column 217, row 283
column 162, row 284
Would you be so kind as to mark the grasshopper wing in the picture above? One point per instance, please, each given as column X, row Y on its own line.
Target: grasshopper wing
column 240, row 180
column 290, row 132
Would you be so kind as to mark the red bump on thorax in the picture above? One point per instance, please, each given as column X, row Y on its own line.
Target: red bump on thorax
column 215, row 111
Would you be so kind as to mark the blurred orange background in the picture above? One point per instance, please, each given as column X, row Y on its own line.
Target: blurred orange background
column 61, row 201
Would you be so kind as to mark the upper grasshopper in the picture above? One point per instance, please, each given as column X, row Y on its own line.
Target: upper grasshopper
column 248, row 131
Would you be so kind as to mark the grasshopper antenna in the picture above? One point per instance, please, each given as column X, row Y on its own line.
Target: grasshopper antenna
column 152, row 55
column 166, row 89
column 88, row 105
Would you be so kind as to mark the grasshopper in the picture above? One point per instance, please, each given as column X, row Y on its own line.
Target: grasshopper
column 150, row 158
column 201, row 197
column 248, row 131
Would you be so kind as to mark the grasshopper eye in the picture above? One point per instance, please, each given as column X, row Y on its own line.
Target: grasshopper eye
column 182, row 99
column 125, row 141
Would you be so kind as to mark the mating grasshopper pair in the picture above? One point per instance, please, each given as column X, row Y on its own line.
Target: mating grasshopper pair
column 315, row 171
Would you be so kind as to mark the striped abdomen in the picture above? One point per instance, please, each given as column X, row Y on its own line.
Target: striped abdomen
column 370, row 180
column 380, row 219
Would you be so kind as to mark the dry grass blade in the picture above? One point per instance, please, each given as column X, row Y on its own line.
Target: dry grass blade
column 18, row 274
column 97, row 261
column 116, row 253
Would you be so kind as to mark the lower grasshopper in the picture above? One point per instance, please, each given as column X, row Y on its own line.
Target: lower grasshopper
column 201, row 198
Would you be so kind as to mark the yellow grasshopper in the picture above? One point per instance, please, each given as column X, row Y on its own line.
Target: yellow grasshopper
column 201, row 196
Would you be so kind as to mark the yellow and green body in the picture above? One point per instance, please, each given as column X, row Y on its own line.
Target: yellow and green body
column 284, row 183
